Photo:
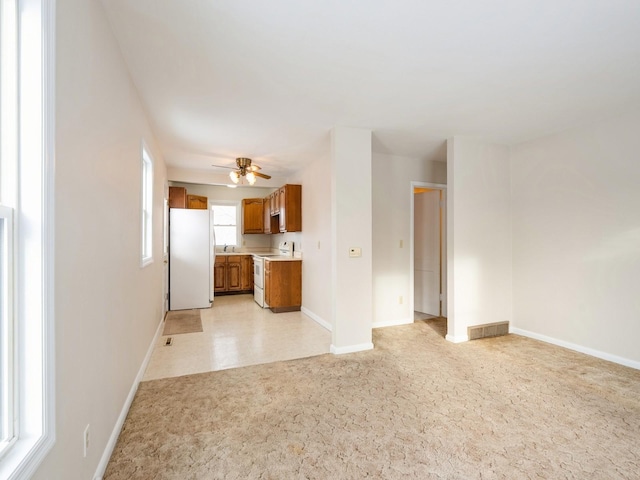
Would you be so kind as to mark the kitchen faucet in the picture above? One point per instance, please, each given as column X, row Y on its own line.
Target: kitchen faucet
column 225, row 247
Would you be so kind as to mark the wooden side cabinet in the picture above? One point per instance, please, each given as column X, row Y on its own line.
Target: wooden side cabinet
column 233, row 273
column 252, row 215
column 283, row 285
column 198, row 202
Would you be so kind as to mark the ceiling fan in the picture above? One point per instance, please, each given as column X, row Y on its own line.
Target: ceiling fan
column 244, row 169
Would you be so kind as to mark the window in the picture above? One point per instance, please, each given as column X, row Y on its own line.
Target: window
column 147, row 208
column 26, row 235
column 225, row 223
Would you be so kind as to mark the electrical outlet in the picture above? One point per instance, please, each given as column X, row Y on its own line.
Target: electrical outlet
column 401, row 243
column 318, row 244
column 400, row 299
column 86, row 440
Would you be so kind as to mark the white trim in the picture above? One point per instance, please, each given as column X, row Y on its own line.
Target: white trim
column 351, row 348
column 392, row 323
column 230, row 203
column 577, row 348
column 316, row 318
column 147, row 166
column 113, row 439
column 457, row 339
column 37, row 156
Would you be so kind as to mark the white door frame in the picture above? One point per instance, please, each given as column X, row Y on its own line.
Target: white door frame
column 443, row 259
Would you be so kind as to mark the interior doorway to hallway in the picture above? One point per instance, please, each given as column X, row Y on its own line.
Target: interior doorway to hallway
column 428, row 249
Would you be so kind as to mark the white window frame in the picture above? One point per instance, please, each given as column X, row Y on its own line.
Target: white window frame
column 28, row 189
column 146, row 211
column 7, row 331
column 228, row 203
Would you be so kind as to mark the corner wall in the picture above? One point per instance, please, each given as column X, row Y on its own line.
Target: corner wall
column 107, row 308
column 576, row 238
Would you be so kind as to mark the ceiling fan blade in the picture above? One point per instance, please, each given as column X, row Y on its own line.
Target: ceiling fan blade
column 258, row 174
column 223, row 166
column 253, row 167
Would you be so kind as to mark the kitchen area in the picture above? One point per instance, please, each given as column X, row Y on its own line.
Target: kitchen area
column 254, row 284
column 248, row 254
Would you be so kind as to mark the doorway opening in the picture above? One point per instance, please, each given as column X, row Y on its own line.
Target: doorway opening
column 428, row 251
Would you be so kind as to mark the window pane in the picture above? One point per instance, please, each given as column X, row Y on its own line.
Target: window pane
column 224, row 215
column 226, row 235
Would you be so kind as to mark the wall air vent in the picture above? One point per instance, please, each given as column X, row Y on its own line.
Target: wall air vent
column 488, row 330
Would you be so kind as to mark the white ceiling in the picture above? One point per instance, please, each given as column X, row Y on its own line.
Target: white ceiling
column 269, row 79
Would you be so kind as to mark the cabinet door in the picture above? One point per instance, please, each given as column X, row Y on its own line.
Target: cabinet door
column 267, row 281
column 252, row 215
column 275, row 203
column 197, row 201
column 266, row 215
column 177, row 197
column 247, row 272
column 290, row 208
column 234, row 279
column 220, row 275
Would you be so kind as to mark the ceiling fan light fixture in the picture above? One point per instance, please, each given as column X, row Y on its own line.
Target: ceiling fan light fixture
column 234, row 176
column 251, row 178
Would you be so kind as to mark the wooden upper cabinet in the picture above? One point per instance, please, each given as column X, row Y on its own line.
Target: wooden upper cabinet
column 290, row 198
column 275, row 202
column 198, row 202
column 177, row 197
column 270, row 224
column 252, row 215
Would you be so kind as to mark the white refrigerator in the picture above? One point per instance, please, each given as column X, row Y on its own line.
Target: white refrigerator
column 191, row 259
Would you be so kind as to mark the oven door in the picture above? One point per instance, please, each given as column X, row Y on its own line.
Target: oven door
column 258, row 274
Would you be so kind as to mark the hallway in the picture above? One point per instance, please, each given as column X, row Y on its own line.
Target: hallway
column 236, row 333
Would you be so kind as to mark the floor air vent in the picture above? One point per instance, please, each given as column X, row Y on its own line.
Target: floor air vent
column 488, row 330
column 168, row 342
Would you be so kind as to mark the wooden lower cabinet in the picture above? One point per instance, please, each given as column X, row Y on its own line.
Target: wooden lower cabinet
column 283, row 285
column 231, row 274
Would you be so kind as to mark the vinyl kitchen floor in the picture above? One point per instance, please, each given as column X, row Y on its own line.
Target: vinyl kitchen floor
column 236, row 333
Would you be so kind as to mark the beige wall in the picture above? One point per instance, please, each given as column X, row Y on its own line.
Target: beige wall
column 479, row 235
column 392, row 177
column 107, row 308
column 576, row 237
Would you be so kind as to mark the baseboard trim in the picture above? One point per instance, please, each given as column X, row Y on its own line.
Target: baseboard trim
column 392, row 323
column 361, row 347
column 457, row 338
column 578, row 348
column 320, row 321
column 111, row 444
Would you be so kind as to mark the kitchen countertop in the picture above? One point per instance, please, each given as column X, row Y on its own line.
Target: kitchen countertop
column 265, row 255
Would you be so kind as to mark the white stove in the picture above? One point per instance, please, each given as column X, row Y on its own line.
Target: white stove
column 285, row 249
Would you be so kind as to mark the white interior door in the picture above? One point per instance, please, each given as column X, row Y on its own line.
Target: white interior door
column 427, row 252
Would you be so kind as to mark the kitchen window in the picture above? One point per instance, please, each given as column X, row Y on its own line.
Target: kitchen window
column 225, row 223
column 27, row 423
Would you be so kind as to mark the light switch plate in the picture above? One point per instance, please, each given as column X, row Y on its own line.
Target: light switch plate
column 355, row 252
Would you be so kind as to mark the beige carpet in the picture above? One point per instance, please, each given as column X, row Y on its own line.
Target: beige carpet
column 415, row 407
column 182, row 321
